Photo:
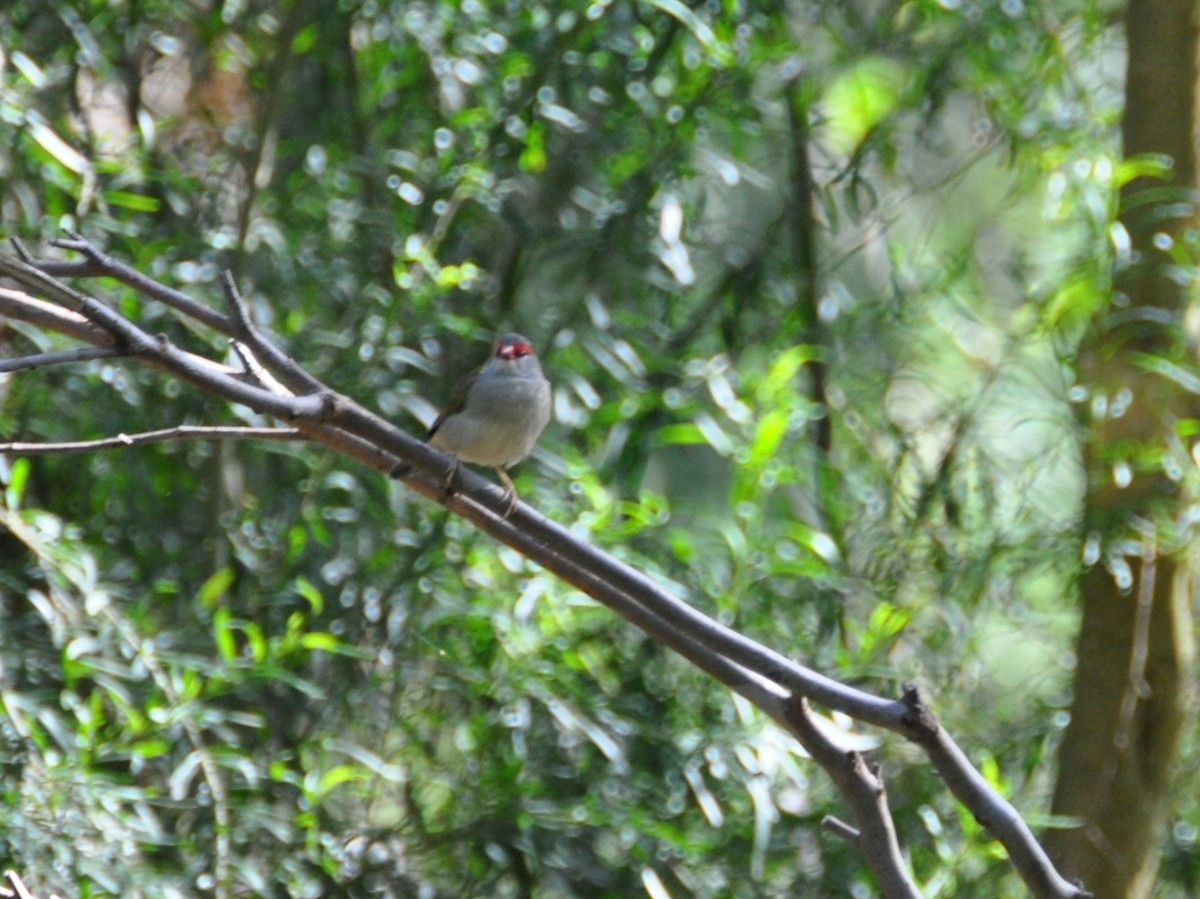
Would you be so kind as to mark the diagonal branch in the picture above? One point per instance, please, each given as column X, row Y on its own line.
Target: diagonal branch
column 767, row 678
column 96, row 263
column 23, row 307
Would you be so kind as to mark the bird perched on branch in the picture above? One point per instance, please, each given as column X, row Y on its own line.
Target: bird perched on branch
column 496, row 415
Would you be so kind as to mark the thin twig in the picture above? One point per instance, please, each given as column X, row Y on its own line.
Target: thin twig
column 257, row 370
column 124, row 441
column 18, row 886
column 21, row 250
column 290, row 371
column 64, row 357
column 840, row 828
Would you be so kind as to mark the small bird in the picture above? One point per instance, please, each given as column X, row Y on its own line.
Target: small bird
column 496, row 415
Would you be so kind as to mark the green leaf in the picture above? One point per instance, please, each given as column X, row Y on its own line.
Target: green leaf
column 338, row 775
column 990, row 769
column 223, row 635
column 305, row 38
column 713, row 434
column 860, row 98
column 783, row 370
column 329, row 643
column 152, row 748
column 255, row 640
column 533, row 157
column 305, row 587
column 18, row 477
column 215, row 587
column 767, row 436
column 136, row 202
column 885, row 623
column 1074, row 304
column 683, row 433
column 1147, row 165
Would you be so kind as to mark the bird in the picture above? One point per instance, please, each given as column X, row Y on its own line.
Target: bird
column 497, row 414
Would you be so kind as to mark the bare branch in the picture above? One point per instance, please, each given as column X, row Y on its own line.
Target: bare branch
column 771, row 680
column 989, row 807
column 124, row 441
column 65, row 357
column 53, row 289
column 23, row 307
column 863, row 789
column 101, row 264
column 163, row 353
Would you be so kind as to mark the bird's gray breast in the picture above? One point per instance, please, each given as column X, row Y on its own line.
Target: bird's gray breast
column 500, row 422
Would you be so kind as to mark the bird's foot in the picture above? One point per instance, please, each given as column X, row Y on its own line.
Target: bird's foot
column 510, row 492
column 451, row 476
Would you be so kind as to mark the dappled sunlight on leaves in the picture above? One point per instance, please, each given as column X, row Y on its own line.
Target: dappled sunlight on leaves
column 807, row 281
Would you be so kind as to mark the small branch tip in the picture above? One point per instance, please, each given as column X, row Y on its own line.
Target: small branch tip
column 840, row 828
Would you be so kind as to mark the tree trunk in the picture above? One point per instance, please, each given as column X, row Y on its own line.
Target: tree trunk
column 1133, row 683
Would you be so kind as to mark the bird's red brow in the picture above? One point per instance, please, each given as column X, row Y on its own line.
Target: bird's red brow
column 514, row 350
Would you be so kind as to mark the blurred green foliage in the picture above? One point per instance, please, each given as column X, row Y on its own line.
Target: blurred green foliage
column 843, row 426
